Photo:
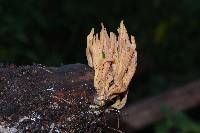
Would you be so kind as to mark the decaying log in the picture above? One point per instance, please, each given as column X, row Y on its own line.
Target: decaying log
column 148, row 111
column 39, row 99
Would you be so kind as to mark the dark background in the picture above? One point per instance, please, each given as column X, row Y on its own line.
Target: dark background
column 53, row 33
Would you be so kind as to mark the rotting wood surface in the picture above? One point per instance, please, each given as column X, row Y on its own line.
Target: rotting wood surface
column 40, row 99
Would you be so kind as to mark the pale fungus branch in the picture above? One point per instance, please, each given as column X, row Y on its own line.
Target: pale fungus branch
column 114, row 60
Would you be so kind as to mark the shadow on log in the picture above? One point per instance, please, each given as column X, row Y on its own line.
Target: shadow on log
column 39, row 99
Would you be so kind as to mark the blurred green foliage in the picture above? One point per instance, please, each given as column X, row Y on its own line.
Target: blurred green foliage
column 54, row 32
column 176, row 122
